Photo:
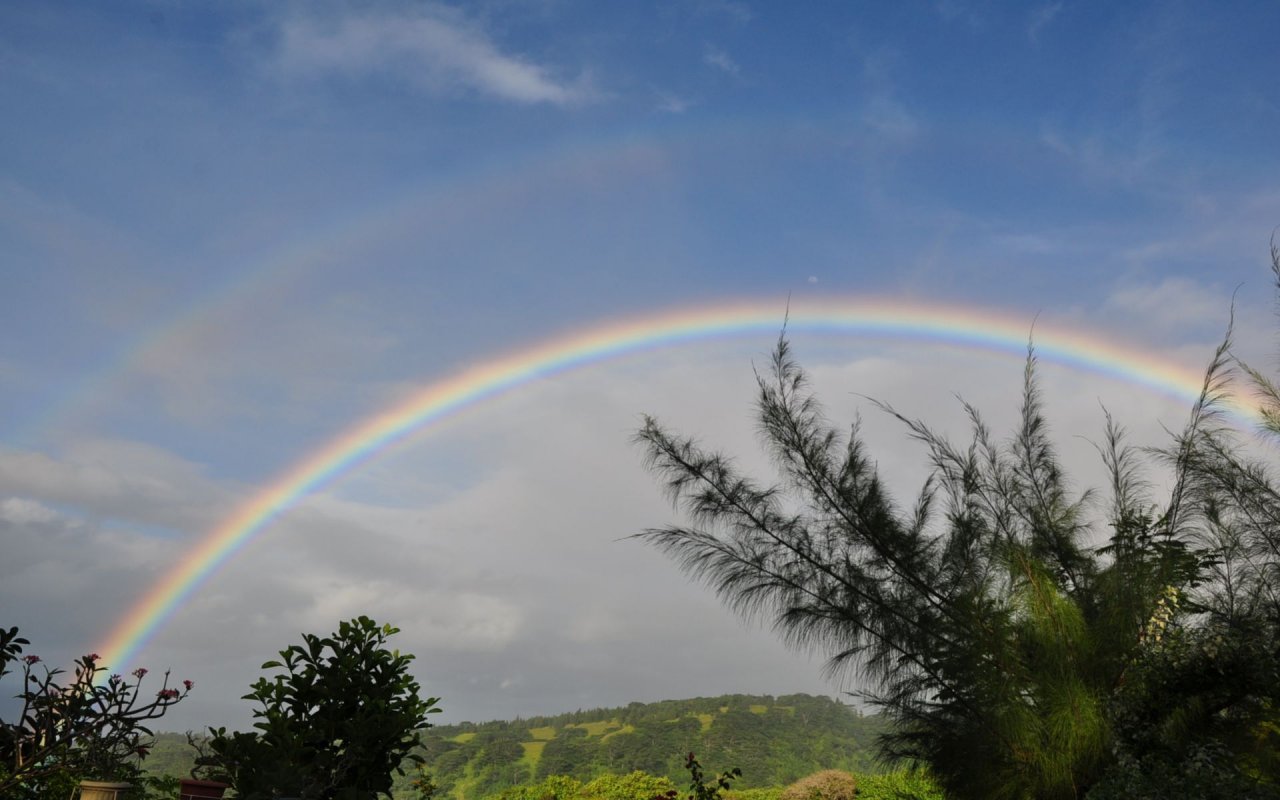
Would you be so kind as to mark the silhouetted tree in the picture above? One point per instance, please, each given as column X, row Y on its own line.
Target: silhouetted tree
column 1017, row 660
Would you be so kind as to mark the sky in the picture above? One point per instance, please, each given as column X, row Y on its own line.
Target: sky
column 233, row 233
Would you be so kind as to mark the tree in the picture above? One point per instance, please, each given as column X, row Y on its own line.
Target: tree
column 1016, row 659
column 85, row 728
column 335, row 725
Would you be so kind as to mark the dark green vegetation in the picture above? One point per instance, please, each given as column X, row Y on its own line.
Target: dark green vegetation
column 340, row 718
column 81, row 728
column 1028, row 641
column 777, row 739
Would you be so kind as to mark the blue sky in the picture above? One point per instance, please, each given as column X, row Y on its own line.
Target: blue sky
column 230, row 230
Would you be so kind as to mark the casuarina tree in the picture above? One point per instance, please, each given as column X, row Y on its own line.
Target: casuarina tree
column 1028, row 641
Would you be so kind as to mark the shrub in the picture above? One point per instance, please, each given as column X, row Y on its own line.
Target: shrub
column 638, row 785
column 901, row 785
column 340, row 721
column 830, row 784
column 552, row 787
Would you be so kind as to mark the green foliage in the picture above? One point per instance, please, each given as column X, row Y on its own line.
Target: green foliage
column 700, row 789
column 769, row 793
column 1015, row 658
column 830, row 784
column 341, row 718
column 1197, row 717
column 901, row 785
column 424, row 787
column 174, row 754
column 552, row 787
column 636, row 785
column 84, row 728
column 159, row 787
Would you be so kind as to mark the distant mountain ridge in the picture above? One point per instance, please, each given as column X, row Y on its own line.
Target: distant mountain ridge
column 774, row 740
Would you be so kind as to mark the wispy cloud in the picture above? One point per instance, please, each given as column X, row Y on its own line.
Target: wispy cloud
column 1101, row 158
column 889, row 118
column 1041, row 17
column 960, row 11
column 1168, row 303
column 669, row 103
column 433, row 48
column 739, row 13
column 717, row 58
column 883, row 112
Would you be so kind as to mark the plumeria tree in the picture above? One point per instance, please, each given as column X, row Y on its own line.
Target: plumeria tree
column 81, row 727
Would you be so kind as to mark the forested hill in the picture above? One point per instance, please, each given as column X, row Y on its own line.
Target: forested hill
column 774, row 740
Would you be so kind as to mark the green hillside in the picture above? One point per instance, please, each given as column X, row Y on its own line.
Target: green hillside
column 775, row 740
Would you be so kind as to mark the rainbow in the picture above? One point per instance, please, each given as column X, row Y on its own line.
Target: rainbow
column 891, row 320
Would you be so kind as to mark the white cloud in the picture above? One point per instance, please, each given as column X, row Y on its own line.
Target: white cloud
column 673, row 104
column 434, row 48
column 1164, row 310
column 717, row 58
column 1174, row 300
column 22, row 511
column 123, row 481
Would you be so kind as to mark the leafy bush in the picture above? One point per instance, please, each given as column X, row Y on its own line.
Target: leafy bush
column 336, row 725
column 830, row 784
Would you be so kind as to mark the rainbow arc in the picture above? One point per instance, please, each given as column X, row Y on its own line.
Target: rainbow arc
column 470, row 388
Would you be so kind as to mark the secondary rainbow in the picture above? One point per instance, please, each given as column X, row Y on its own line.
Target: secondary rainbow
column 972, row 328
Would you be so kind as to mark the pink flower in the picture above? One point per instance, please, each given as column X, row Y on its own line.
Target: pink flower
column 92, row 657
column 31, row 660
column 115, row 680
column 188, row 685
column 167, row 694
column 139, row 672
